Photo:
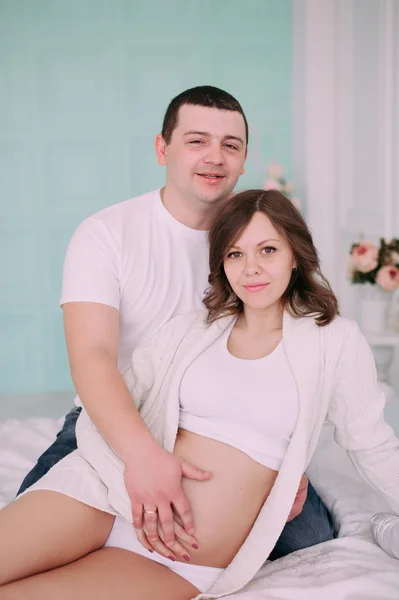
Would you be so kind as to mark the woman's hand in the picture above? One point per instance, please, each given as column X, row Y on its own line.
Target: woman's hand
column 181, row 547
column 153, row 482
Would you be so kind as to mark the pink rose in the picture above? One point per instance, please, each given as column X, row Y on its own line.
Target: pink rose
column 388, row 278
column 365, row 257
column 275, row 171
column 297, row 203
column 270, row 184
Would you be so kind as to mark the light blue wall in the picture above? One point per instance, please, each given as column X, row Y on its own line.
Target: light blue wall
column 83, row 88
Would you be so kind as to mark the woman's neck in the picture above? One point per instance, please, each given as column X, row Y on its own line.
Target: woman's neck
column 261, row 320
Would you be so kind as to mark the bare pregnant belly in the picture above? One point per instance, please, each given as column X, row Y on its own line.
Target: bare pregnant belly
column 226, row 506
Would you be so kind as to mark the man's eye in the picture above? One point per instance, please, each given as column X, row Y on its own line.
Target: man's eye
column 231, row 147
column 195, row 142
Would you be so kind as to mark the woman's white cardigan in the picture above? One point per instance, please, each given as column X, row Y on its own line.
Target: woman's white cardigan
column 336, row 379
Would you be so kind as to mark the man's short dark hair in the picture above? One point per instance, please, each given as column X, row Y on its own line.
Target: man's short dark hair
column 203, row 95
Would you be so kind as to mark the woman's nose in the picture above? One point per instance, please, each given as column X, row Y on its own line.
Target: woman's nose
column 252, row 267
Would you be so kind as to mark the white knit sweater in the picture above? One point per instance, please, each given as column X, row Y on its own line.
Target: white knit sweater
column 336, row 378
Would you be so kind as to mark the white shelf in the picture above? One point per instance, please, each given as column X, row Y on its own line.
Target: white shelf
column 382, row 339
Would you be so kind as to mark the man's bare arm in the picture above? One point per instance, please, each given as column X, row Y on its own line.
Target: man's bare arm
column 92, row 337
column 152, row 475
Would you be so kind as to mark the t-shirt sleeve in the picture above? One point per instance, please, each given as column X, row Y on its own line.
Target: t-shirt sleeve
column 91, row 267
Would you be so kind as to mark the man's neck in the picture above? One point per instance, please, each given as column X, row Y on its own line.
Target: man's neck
column 190, row 213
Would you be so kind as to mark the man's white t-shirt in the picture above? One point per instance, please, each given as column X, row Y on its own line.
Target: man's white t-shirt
column 136, row 257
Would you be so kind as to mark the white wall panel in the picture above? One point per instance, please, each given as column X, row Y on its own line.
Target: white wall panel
column 351, row 125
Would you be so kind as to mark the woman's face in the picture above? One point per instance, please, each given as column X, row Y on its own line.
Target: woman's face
column 260, row 263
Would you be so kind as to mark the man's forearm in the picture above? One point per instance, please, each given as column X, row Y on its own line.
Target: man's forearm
column 104, row 395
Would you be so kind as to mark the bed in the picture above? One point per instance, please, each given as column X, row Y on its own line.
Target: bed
column 351, row 567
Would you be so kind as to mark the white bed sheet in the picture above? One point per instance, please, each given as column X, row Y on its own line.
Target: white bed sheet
column 21, row 443
column 351, row 567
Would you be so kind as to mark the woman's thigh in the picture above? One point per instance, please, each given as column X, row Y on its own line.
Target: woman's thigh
column 43, row 530
column 104, row 574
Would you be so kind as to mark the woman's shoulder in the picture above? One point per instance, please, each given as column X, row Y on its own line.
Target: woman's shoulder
column 336, row 342
column 341, row 336
column 342, row 325
column 338, row 325
column 335, row 334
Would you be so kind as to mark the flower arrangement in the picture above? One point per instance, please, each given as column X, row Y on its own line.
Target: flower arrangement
column 368, row 263
column 277, row 181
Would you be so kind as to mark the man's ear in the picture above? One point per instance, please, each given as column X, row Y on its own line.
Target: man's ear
column 243, row 166
column 161, row 150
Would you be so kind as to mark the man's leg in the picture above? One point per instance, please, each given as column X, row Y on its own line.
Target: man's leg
column 63, row 445
column 312, row 526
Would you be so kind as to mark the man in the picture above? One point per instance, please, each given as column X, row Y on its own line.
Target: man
column 128, row 270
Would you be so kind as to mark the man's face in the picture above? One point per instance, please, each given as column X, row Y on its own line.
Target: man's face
column 206, row 153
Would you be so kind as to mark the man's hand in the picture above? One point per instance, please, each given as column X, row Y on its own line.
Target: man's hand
column 153, row 483
column 300, row 498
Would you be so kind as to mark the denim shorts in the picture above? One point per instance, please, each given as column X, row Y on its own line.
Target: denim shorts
column 64, row 444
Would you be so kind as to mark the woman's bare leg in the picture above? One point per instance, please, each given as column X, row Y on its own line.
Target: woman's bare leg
column 102, row 575
column 44, row 530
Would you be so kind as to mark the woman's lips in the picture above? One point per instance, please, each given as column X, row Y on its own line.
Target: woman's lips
column 255, row 287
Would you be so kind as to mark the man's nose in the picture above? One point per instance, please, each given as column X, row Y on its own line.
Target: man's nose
column 214, row 155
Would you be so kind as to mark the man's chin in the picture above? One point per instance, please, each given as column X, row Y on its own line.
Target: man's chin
column 213, row 196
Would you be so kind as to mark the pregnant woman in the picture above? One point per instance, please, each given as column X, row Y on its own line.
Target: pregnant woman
column 242, row 391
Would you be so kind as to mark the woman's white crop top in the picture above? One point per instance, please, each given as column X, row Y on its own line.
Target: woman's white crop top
column 249, row 404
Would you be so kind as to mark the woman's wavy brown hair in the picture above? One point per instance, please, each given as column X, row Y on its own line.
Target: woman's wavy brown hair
column 308, row 292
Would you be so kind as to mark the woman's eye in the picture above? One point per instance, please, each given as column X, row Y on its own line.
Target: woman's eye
column 269, row 250
column 234, row 255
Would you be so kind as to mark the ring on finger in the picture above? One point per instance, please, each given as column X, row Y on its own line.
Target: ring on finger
column 150, row 512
